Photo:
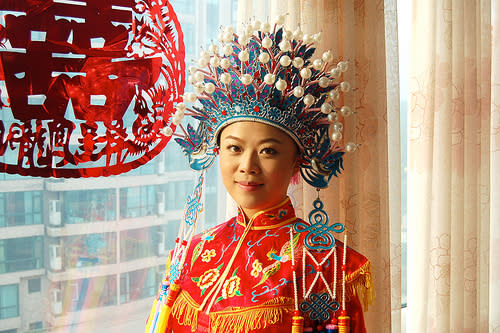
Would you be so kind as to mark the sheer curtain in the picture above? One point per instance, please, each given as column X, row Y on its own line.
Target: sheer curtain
column 367, row 196
column 454, row 168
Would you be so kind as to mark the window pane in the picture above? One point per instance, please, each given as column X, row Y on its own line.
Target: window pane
column 9, row 301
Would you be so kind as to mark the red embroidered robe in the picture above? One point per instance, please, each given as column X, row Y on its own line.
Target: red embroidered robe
column 240, row 273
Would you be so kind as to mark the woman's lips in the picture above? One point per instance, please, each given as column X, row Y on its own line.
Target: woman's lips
column 249, row 186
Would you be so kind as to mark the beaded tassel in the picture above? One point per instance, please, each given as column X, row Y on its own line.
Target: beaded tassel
column 332, row 327
column 297, row 322
column 297, row 319
column 344, row 322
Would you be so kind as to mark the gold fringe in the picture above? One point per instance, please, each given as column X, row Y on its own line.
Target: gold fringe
column 245, row 319
column 359, row 283
column 185, row 310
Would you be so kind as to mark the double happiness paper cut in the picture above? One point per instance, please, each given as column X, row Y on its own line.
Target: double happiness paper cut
column 86, row 86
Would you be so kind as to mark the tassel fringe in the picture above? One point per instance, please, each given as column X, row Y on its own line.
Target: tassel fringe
column 253, row 318
column 359, row 283
column 235, row 319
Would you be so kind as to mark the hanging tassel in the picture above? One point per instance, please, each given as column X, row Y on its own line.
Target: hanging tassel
column 344, row 322
column 160, row 313
column 297, row 322
column 332, row 327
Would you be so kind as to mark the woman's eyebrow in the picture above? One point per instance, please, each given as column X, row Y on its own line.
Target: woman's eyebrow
column 265, row 140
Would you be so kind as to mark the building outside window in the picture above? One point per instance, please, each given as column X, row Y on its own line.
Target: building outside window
column 136, row 243
column 21, row 254
column 138, row 284
column 89, row 206
column 20, row 208
column 137, row 201
column 9, row 301
column 89, row 250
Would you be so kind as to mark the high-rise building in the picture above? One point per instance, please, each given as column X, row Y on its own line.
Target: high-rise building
column 87, row 255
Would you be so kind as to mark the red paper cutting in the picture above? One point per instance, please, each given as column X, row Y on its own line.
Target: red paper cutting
column 86, row 86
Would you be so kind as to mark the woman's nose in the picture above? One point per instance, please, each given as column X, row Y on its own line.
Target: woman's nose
column 249, row 163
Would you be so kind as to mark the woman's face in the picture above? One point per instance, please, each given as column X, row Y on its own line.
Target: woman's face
column 257, row 162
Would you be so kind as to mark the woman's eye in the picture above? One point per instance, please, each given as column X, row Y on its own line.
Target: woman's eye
column 268, row 151
column 233, row 148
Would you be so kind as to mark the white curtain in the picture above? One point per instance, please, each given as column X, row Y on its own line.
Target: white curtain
column 454, row 167
column 366, row 197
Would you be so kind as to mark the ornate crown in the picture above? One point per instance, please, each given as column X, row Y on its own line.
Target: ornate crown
column 268, row 75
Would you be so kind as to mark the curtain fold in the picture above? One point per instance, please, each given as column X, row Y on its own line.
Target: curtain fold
column 367, row 196
column 453, row 199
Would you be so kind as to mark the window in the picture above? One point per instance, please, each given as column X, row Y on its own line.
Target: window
column 21, row 254
column 138, row 284
column 89, row 293
column 34, row 285
column 89, row 206
column 36, row 326
column 9, row 301
column 20, row 208
column 136, row 243
column 89, row 250
column 137, row 201
column 177, row 193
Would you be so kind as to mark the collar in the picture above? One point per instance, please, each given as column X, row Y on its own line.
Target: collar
column 273, row 217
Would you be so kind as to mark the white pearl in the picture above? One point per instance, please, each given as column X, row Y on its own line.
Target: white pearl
column 327, row 56
column 199, row 87
column 334, row 94
column 256, row 25
column 203, row 62
column 267, row 42
column 280, row 19
column 181, row 107
column 317, row 37
column 281, row 85
column 167, row 131
column 198, row 76
column 192, row 69
column 179, row 113
column 332, row 117
column 229, row 29
column 220, row 36
column 350, row 147
column 227, row 49
column 336, row 136
column 298, row 62
column 269, row 78
column 213, row 48
column 285, row 61
column 243, row 55
column 326, row 108
column 309, row 100
column 190, row 97
column 317, row 64
column 214, row 61
column 264, row 57
column 246, row 79
column 343, row 66
column 191, row 79
column 298, row 91
column 288, row 35
column 209, row 88
column 225, row 78
column 225, row 63
column 337, row 126
column 305, row 73
column 205, row 55
column 227, row 37
column 345, row 111
column 335, row 73
column 298, row 34
column 266, row 27
column 284, row 46
column 324, row 82
column 249, row 30
column 345, row 86
column 308, row 39
column 243, row 40
column 177, row 119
